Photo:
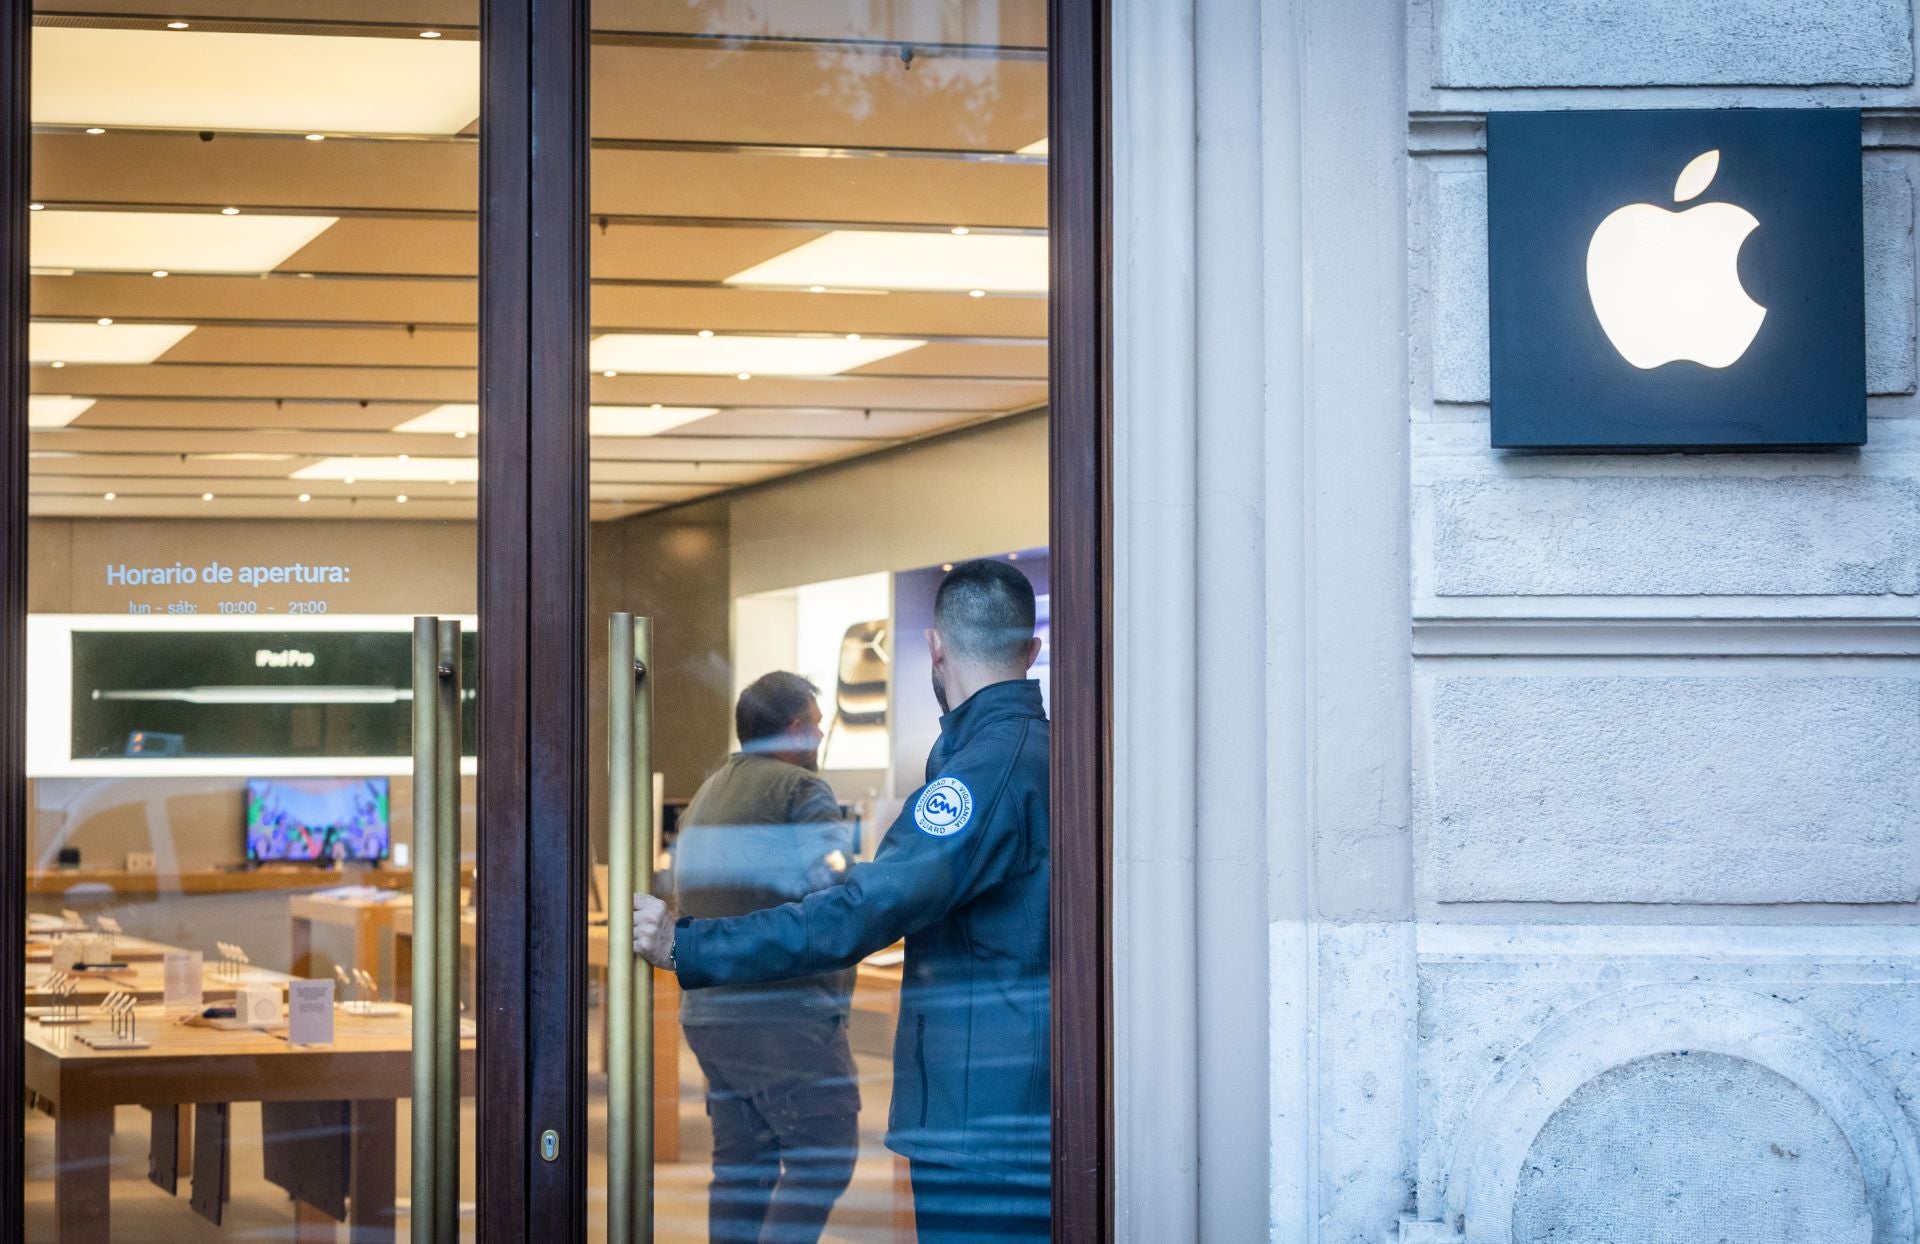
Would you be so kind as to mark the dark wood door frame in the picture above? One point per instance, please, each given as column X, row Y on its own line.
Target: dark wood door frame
column 533, row 666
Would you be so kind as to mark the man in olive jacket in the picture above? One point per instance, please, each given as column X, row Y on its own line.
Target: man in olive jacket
column 962, row 876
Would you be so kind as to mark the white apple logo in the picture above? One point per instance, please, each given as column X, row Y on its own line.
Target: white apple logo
column 1666, row 285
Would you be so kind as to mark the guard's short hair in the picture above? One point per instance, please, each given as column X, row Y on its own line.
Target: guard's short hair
column 769, row 705
column 985, row 612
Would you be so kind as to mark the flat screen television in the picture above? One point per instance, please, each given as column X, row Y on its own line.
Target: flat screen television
column 318, row 820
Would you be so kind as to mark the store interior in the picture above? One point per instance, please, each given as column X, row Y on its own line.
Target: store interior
column 819, row 317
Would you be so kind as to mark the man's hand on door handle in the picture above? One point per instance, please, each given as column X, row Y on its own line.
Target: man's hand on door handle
column 652, row 931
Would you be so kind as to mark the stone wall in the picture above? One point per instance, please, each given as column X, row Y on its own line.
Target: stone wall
column 1665, row 717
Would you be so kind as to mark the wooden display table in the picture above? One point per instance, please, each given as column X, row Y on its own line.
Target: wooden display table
column 146, row 981
column 367, row 1068
column 366, row 919
column 127, row 949
column 213, row 880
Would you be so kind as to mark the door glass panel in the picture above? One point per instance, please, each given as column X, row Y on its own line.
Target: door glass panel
column 819, row 346
column 253, row 431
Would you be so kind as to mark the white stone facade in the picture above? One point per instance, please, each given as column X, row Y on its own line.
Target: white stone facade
column 1548, row 827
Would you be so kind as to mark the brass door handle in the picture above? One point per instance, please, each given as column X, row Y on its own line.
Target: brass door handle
column 436, row 930
column 632, row 847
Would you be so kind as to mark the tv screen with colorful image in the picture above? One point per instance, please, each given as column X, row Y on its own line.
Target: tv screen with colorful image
column 318, row 820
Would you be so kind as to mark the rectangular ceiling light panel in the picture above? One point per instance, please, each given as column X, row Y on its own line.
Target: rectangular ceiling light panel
column 403, row 468
column 102, row 343
column 47, row 411
column 456, row 418
column 188, row 79
column 877, row 259
column 672, row 354
column 169, row 241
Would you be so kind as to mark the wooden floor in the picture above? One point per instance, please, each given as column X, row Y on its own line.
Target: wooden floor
column 142, row 1214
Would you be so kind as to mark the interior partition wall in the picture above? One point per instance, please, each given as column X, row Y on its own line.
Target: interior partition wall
column 534, row 757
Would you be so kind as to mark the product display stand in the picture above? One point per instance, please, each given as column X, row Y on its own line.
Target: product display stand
column 123, row 1031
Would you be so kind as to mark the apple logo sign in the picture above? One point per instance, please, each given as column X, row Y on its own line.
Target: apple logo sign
column 1666, row 285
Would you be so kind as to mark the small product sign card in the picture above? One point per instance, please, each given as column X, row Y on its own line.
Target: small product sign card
column 183, row 979
column 310, row 1012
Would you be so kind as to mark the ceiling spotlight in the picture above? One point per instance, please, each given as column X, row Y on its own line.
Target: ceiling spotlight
column 853, row 336
column 176, row 25
column 429, row 34
column 816, row 289
column 206, row 496
column 746, row 375
column 1013, row 557
column 160, row 272
column 947, row 566
column 403, row 457
column 316, row 138
column 229, row 211
column 347, row 480
column 94, row 129
column 658, row 406
column 976, row 293
column 706, row 332
column 36, row 207
column 306, row 496
column 609, row 373
column 110, row 496
column 104, row 320
column 401, row 499
column 960, row 231
column 459, row 436
column 59, row 365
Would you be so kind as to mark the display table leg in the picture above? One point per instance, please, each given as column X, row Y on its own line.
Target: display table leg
column 82, row 1140
column 300, row 933
column 403, row 967
column 312, row 1226
column 370, row 1195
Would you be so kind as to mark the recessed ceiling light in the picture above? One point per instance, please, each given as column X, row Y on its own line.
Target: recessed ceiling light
column 459, row 436
column 1013, row 557
column 44, row 410
column 316, row 138
column 604, row 421
column 402, row 498
column 392, row 470
column 161, row 274
column 229, row 211
column 170, row 241
column 429, row 34
column 853, row 336
column 232, row 81
column 675, row 355
column 110, row 496
column 36, row 207
column 959, row 231
column 403, row 457
column 976, row 293
column 881, row 259
column 93, row 343
column 947, row 566
column 58, row 365
column 176, row 25
column 104, row 320
column 306, row 496
column 609, row 373
column 706, row 332
column 94, row 129
column 241, row 456
column 206, row 496
column 816, row 289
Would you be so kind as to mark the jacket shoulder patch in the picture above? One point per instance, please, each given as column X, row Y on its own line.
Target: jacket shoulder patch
column 944, row 808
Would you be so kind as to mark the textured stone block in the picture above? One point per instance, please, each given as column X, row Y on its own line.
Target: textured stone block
column 1518, row 43
column 1676, row 788
column 1457, row 284
column 1674, row 535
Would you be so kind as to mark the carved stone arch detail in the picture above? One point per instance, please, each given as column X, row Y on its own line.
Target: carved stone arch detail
column 1611, row 1031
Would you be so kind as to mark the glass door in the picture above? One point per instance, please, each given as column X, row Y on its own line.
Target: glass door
column 820, row 608
column 253, row 430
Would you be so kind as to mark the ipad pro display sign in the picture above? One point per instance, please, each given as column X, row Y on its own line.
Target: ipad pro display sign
column 1670, row 280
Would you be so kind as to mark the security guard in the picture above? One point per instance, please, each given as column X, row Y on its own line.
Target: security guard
column 962, row 876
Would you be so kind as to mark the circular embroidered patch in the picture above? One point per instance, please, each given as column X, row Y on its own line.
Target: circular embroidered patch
column 944, row 808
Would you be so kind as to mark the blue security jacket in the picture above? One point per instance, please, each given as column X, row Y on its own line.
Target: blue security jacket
column 962, row 875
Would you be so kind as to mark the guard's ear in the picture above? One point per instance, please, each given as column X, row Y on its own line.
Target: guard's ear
column 1033, row 652
column 936, row 646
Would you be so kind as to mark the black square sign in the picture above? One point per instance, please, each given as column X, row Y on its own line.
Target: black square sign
column 1676, row 280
